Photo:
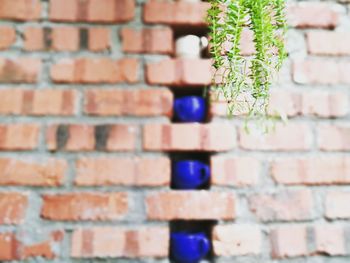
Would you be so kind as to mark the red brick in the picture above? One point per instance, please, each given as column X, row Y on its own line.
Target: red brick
column 334, row 137
column 22, row 10
column 309, row 103
column 330, row 239
column 95, row 70
column 179, row 72
column 85, row 206
column 122, row 138
column 148, row 40
column 18, row 137
column 37, row 102
column 289, row 241
column 18, row 70
column 123, row 171
column 99, row 38
column 13, row 207
column 12, row 248
column 190, row 205
column 65, row 39
column 117, row 102
column 236, row 240
column 337, row 205
column 234, row 171
column 93, row 11
column 289, row 137
column 7, row 37
column 283, row 206
column 175, row 13
column 321, row 71
column 313, row 15
column 120, row 242
column 46, row 249
column 189, row 137
column 8, row 244
column 81, row 137
column 312, row 170
column 328, row 43
column 50, row 172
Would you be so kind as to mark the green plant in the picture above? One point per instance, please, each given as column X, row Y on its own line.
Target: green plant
column 244, row 82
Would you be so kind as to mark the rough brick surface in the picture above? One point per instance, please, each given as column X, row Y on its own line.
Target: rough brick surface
column 312, row 170
column 94, row 11
column 89, row 137
column 85, row 206
column 190, row 205
column 102, row 70
column 120, row 242
column 118, row 102
column 13, row 207
column 283, row 206
column 123, row 171
column 237, row 240
column 189, row 137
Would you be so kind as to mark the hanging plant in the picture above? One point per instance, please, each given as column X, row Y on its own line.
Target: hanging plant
column 244, row 81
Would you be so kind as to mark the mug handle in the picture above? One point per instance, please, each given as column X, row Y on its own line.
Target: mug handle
column 204, row 246
column 205, row 173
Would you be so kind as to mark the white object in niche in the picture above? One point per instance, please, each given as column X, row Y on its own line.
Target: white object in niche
column 190, row 46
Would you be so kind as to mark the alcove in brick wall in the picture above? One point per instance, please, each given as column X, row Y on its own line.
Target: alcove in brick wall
column 195, row 226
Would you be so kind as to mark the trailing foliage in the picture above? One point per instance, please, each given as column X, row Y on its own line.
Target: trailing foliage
column 244, row 82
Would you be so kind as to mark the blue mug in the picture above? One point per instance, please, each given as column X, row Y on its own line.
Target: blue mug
column 190, row 109
column 189, row 248
column 190, row 174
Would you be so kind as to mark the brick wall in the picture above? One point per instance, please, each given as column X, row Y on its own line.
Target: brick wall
column 87, row 138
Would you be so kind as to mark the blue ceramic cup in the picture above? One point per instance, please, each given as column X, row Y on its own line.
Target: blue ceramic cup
column 189, row 248
column 190, row 109
column 190, row 174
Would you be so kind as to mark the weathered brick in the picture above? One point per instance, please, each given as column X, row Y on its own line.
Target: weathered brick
column 334, row 137
column 147, row 40
column 179, row 72
column 117, row 102
column 66, row 38
column 175, row 13
column 234, row 171
column 37, row 101
column 120, row 242
column 19, row 70
column 313, row 15
column 18, row 137
column 190, row 205
column 299, row 138
column 7, row 37
column 123, row 171
column 309, row 103
column 328, row 43
column 13, row 207
column 95, row 70
column 329, row 239
column 321, row 71
column 312, row 170
column 85, row 206
column 82, row 137
column 283, row 206
column 189, row 137
column 289, row 241
column 12, row 248
column 92, row 11
column 236, row 240
column 48, row 172
column 22, row 10
column 337, row 205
